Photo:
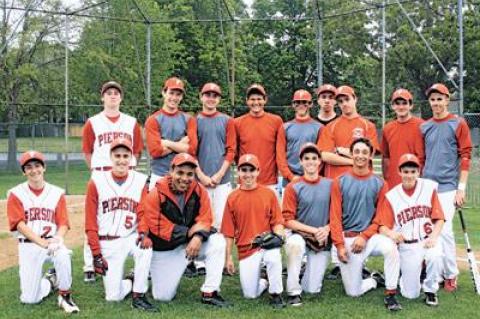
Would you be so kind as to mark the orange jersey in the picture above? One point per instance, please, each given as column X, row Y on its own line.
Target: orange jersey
column 341, row 133
column 398, row 139
column 258, row 136
column 249, row 213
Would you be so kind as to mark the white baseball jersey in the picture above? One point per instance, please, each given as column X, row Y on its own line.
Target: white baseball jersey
column 39, row 210
column 106, row 132
column 117, row 204
column 412, row 214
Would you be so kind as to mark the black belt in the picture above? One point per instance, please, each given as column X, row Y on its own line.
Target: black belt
column 104, row 168
column 413, row 241
column 26, row 240
column 107, row 237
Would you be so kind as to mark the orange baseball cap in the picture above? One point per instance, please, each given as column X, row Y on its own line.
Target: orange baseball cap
column 345, row 90
column 182, row 159
column 258, row 88
column 327, row 88
column 309, row 147
column 438, row 87
column 302, row 95
column 402, row 94
column 408, row 158
column 121, row 141
column 249, row 159
column 174, row 83
column 109, row 85
column 211, row 87
column 31, row 155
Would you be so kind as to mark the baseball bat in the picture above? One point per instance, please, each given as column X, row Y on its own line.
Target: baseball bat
column 470, row 256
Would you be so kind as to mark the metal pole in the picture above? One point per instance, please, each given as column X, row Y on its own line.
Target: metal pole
column 232, row 85
column 148, row 85
column 319, row 34
column 66, row 101
column 460, row 48
column 384, row 54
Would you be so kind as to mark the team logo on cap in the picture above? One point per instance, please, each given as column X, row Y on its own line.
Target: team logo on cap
column 31, row 153
column 357, row 133
column 248, row 158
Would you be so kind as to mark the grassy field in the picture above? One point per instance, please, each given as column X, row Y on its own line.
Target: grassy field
column 44, row 144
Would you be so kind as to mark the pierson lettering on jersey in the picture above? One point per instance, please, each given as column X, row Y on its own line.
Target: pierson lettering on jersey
column 122, row 203
column 415, row 212
column 40, row 213
column 109, row 137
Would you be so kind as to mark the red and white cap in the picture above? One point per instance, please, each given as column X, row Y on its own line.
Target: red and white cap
column 327, row 88
column 182, row 159
column 345, row 90
column 302, row 95
column 309, row 147
column 258, row 88
column 211, row 87
column 438, row 87
column 174, row 83
column 31, row 155
column 121, row 141
column 249, row 159
column 408, row 158
column 402, row 94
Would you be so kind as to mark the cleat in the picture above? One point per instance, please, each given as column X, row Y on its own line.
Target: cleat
column 392, row 303
column 334, row 274
column 191, row 270
column 450, row 285
column 276, row 301
column 378, row 277
column 66, row 303
column 294, row 301
column 141, row 303
column 51, row 276
column 263, row 273
column 201, row 271
column 215, row 299
column 366, row 273
column 431, row 299
column 89, row 276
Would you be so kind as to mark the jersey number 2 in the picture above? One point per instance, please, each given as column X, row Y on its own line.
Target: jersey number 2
column 46, row 231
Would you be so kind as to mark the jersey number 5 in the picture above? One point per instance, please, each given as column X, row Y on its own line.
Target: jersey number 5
column 128, row 222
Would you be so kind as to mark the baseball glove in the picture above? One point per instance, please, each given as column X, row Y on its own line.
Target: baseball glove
column 268, row 240
column 312, row 243
column 100, row 265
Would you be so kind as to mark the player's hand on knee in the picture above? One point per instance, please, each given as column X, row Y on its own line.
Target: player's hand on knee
column 230, row 265
column 144, row 241
column 322, row 234
column 358, row 245
column 460, row 198
column 100, row 264
column 430, row 242
column 396, row 237
column 193, row 247
column 342, row 255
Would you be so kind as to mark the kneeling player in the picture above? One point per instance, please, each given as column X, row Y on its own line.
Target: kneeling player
column 115, row 227
column 306, row 206
column 252, row 210
column 37, row 212
column 355, row 198
column 412, row 216
column 179, row 217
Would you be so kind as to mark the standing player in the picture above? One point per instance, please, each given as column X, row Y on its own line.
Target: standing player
column 326, row 101
column 37, row 213
column 252, row 210
column 98, row 133
column 401, row 136
column 257, row 133
column 295, row 133
column 448, row 150
column 412, row 216
column 179, row 217
column 306, row 207
column 355, row 198
column 115, row 227
column 169, row 131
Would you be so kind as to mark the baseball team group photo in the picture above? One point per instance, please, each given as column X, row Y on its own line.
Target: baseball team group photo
column 244, row 195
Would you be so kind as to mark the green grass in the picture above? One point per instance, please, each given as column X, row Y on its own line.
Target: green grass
column 44, row 144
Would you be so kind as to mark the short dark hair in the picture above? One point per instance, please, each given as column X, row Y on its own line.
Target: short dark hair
column 363, row 140
column 409, row 165
column 33, row 160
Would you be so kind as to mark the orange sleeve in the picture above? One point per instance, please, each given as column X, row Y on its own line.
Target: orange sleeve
column 192, row 136
column 373, row 228
column 276, row 217
column 158, row 224
column 437, row 211
column 420, row 145
column 153, row 137
column 228, row 224
column 326, row 141
column 205, row 216
column 281, row 150
column 142, row 225
column 231, row 141
column 464, row 145
column 384, row 215
column 372, row 136
column 88, row 138
column 61, row 215
column 289, row 205
column 137, row 140
column 15, row 211
column 384, row 146
column 336, row 224
column 91, row 226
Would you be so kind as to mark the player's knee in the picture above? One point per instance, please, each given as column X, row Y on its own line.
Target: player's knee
column 295, row 246
column 410, row 293
column 29, row 299
column 217, row 242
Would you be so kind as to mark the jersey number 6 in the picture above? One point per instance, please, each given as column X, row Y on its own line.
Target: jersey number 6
column 427, row 228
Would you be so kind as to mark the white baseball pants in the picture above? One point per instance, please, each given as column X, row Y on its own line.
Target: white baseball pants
column 450, row 269
column 218, row 197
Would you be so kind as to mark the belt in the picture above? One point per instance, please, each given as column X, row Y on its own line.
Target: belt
column 103, row 168
column 26, row 240
column 107, row 237
column 413, row 241
column 350, row 234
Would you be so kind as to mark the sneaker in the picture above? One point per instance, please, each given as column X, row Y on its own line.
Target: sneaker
column 334, row 274
column 431, row 299
column 378, row 277
column 215, row 299
column 366, row 273
column 141, row 303
column 276, row 301
column 450, row 285
column 66, row 303
column 191, row 270
column 295, row 300
column 51, row 276
column 89, row 276
column 392, row 303
column 201, row 271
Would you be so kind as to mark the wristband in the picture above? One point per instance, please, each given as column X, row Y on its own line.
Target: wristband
column 462, row 186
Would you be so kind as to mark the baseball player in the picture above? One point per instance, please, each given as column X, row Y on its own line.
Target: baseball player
column 251, row 210
column 448, row 150
column 115, row 227
column 37, row 216
column 401, row 136
column 179, row 217
column 326, row 101
column 413, row 218
column 169, row 131
column 97, row 135
column 294, row 134
column 355, row 197
column 257, row 133
column 306, row 207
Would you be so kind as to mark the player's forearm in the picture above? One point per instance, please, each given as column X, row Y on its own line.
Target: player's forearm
column 385, row 165
column 279, row 230
column 295, row 225
column 384, row 230
column 88, row 160
column 62, row 230
column 178, row 147
column 228, row 252
column 30, row 235
column 334, row 159
column 463, row 177
column 224, row 168
column 437, row 229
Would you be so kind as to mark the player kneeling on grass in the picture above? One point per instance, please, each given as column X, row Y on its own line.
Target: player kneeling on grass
column 306, row 206
column 253, row 218
column 37, row 213
column 355, row 197
column 413, row 218
column 115, row 227
column 179, row 217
